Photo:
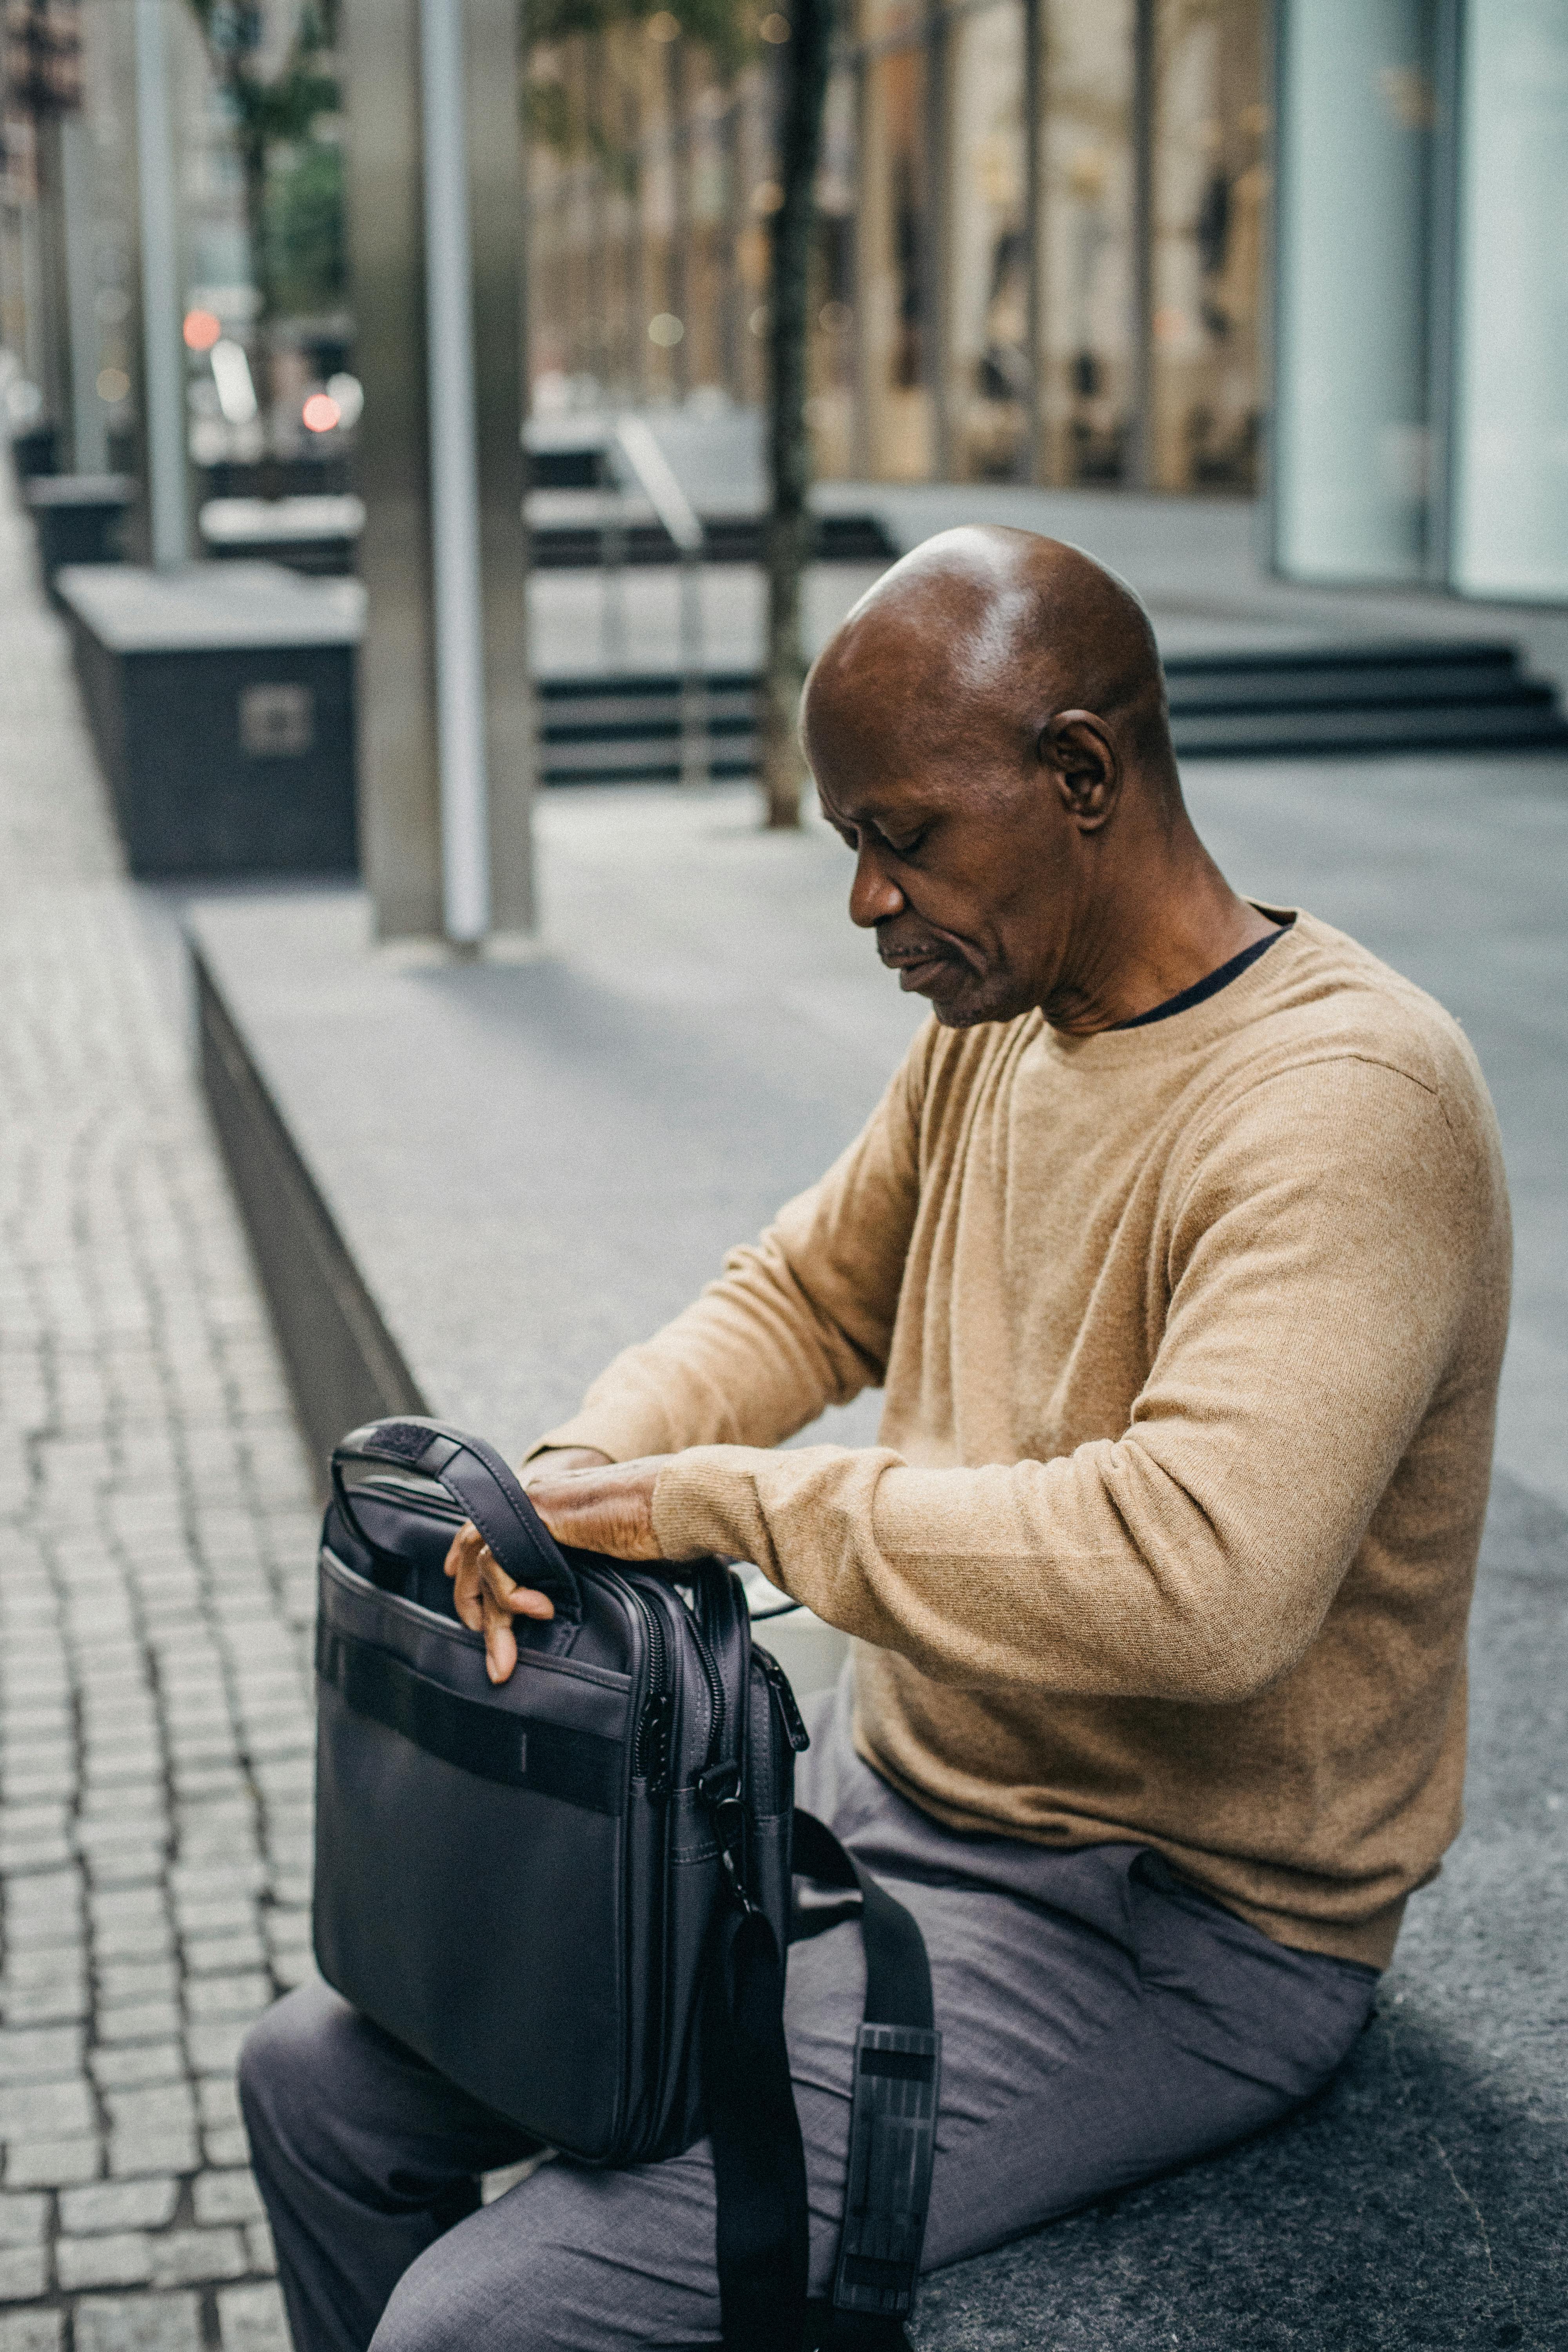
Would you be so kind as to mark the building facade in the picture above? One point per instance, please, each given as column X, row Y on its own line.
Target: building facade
column 1041, row 238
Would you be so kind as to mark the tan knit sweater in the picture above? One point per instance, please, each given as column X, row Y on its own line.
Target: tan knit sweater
column 1190, row 1337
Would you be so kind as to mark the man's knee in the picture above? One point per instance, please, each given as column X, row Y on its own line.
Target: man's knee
column 287, row 2064
column 458, row 2295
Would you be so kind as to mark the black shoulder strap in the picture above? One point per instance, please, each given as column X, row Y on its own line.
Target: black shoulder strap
column 759, row 2161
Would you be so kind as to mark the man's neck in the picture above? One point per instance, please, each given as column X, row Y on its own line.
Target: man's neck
column 1158, row 939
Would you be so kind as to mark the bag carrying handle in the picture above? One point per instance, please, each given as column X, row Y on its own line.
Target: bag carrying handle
column 482, row 1482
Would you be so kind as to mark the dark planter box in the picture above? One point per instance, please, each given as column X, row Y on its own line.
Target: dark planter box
column 78, row 517
column 34, row 451
column 221, row 700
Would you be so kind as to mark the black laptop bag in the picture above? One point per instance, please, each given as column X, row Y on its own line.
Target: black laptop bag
column 569, row 1892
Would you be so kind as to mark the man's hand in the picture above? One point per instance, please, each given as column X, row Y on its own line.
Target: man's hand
column 585, row 1500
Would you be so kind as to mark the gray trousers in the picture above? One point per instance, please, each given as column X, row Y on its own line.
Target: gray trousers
column 1100, row 2020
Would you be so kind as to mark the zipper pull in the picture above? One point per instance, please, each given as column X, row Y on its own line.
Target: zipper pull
column 652, row 1744
column 795, row 1731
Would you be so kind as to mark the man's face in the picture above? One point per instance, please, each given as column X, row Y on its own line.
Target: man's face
column 966, row 866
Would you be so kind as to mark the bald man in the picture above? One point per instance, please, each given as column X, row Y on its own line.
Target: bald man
column 1179, row 1247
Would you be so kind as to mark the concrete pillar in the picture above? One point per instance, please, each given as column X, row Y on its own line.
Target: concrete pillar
column 78, row 205
column 435, row 246
column 167, row 490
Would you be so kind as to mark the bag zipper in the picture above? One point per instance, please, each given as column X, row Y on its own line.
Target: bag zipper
column 715, row 1682
column 651, row 1750
column 784, row 1699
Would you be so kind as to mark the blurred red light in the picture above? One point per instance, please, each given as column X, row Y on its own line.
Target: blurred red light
column 321, row 413
column 201, row 329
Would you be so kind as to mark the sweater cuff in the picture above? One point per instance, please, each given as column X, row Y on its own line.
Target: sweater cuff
column 727, row 1499
column 704, row 1501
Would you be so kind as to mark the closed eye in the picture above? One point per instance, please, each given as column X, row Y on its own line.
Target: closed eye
column 903, row 849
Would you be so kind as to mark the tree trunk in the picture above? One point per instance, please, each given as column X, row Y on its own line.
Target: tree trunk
column 805, row 67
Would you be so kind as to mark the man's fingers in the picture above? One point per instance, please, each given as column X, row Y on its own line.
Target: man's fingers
column 500, row 1641
column 487, row 1601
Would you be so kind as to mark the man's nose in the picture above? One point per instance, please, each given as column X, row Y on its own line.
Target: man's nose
column 874, row 897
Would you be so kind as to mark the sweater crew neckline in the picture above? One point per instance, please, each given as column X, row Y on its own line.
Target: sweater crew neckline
column 1210, row 984
column 1222, row 1000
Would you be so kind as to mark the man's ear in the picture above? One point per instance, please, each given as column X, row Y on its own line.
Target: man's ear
column 1077, row 750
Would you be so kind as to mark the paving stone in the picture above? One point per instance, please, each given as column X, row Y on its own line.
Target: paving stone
column 160, row 2107
column 50, row 2163
column 22, row 2219
column 240, row 1995
column 132, row 2064
column 226, row 2197
column 250, row 2319
column 294, row 1968
column 137, row 1981
column 56, row 2001
column 259, row 2246
column 39, row 2053
column 48, row 2110
column 138, row 2021
column 217, row 2098
column 214, row 2048
column 24, row 2271
column 222, row 1955
column 172, row 2149
column 146, row 2204
column 144, row 2323
column 221, row 1915
column 191, row 2257
column 36, row 2331
column 226, row 2143
column 115, row 2258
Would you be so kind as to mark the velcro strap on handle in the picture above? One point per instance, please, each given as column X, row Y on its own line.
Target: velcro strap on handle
column 482, row 1482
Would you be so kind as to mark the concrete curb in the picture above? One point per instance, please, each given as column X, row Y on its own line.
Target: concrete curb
column 344, row 1365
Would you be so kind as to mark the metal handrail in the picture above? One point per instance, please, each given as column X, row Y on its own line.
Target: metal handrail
column 655, row 476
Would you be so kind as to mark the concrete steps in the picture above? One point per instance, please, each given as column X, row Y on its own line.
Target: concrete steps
column 1359, row 698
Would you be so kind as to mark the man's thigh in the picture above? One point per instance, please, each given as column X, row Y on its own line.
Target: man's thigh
column 582, row 2261
column 1073, row 2062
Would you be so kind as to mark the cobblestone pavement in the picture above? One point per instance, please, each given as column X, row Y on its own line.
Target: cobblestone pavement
column 155, row 1590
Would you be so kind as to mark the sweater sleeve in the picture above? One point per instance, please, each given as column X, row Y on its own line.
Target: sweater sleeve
column 1319, row 1259
column 800, row 1319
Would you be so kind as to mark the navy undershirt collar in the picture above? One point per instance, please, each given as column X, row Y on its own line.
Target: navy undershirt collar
column 1210, row 985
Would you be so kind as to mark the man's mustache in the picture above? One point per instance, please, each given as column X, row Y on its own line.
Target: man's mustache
column 897, row 948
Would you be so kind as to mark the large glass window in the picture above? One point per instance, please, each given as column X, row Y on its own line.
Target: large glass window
column 1509, row 529
column 987, row 312
column 1210, row 200
column 1351, row 413
column 1087, row 361
column 895, row 244
column 836, row 440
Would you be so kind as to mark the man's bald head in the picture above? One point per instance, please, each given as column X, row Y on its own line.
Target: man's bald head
column 988, row 733
column 1007, row 627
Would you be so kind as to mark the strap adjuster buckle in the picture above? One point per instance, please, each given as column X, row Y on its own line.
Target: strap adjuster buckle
column 892, row 2148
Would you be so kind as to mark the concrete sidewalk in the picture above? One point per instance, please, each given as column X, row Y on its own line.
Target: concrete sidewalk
column 532, row 1164
column 157, row 1590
